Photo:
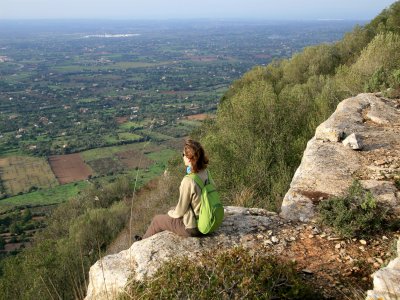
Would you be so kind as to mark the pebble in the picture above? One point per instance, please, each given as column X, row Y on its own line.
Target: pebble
column 268, row 242
column 292, row 238
column 337, row 246
column 379, row 260
column 362, row 248
column 274, row 239
column 310, row 236
column 260, row 236
column 370, row 260
column 307, row 271
column 384, row 237
column 363, row 242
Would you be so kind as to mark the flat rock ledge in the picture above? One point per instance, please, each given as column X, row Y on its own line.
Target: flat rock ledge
column 109, row 275
column 387, row 281
column 360, row 140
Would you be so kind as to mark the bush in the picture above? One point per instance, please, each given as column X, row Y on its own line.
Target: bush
column 233, row 274
column 355, row 214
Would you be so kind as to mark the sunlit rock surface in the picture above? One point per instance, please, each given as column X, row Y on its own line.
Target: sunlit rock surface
column 369, row 126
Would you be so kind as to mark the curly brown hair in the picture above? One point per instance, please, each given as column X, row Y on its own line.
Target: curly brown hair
column 195, row 152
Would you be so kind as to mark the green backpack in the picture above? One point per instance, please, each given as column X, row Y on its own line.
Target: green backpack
column 211, row 210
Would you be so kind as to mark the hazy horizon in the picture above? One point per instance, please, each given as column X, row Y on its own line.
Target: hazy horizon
column 285, row 10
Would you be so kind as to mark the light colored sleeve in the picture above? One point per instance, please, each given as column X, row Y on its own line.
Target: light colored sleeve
column 186, row 192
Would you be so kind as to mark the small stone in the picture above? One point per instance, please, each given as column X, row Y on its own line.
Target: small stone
column 337, row 246
column 260, row 236
column 274, row 239
column 310, row 236
column 362, row 248
column 379, row 260
column 292, row 238
column 307, row 271
column 268, row 242
column 353, row 141
column 379, row 162
column 323, row 235
column 363, row 242
column 376, row 265
column 384, row 237
column 370, row 260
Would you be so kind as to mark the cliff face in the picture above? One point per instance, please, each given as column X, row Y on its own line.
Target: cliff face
column 360, row 140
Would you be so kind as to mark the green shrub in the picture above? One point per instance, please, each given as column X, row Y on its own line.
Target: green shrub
column 355, row 214
column 233, row 274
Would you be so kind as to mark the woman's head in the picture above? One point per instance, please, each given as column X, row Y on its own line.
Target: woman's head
column 194, row 152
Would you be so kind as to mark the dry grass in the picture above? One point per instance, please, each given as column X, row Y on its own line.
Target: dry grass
column 155, row 198
column 20, row 173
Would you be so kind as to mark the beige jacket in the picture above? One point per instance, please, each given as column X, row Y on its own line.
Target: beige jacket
column 189, row 192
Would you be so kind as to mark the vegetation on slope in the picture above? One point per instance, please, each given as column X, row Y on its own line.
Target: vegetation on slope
column 232, row 274
column 255, row 144
column 265, row 120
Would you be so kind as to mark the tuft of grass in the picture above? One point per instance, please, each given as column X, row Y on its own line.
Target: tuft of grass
column 231, row 274
column 354, row 214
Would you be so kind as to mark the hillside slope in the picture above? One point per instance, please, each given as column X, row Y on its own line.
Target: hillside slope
column 332, row 265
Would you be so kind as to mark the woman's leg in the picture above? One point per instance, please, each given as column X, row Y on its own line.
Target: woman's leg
column 165, row 222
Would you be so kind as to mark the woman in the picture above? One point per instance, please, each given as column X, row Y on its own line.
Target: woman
column 182, row 219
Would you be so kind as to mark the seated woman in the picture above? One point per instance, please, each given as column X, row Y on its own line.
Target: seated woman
column 182, row 219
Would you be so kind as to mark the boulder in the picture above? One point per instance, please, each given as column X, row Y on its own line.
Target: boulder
column 367, row 123
column 109, row 275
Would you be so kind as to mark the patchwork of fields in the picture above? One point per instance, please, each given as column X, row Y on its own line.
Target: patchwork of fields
column 36, row 181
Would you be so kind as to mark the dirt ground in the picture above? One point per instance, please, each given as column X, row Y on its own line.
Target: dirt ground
column 198, row 117
column 121, row 120
column 69, row 168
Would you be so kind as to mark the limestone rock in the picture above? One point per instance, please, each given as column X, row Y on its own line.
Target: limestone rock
column 353, row 141
column 328, row 167
column 108, row 276
column 387, row 281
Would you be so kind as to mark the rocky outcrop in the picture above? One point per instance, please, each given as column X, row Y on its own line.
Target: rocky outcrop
column 361, row 140
column 110, row 274
column 387, row 281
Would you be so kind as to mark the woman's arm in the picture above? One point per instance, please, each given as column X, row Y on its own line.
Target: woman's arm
column 186, row 192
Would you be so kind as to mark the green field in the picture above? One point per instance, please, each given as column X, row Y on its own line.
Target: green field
column 110, row 151
column 110, row 66
column 87, row 100
column 127, row 136
column 53, row 195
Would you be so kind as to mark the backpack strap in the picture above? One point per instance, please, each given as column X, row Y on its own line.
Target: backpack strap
column 197, row 179
column 200, row 183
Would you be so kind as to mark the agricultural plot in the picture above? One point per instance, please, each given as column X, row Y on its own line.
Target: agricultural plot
column 69, row 168
column 20, row 174
column 44, row 197
column 106, row 166
column 134, row 159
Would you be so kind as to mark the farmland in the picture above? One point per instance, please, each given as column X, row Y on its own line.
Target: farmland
column 78, row 109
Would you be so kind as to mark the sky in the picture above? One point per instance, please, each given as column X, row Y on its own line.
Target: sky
column 193, row 9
